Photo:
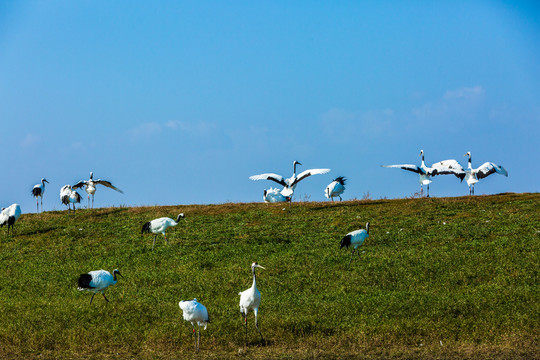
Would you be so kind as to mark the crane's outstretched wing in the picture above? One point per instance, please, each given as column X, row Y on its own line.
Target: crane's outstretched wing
column 489, row 168
column 305, row 174
column 108, row 184
column 80, row 184
column 448, row 167
column 414, row 168
column 270, row 176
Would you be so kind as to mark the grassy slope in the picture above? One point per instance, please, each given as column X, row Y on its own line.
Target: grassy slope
column 461, row 271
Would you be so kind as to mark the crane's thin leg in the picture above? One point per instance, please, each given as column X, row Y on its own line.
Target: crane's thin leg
column 245, row 323
column 351, row 257
column 154, row 242
column 105, row 297
column 257, row 325
column 37, row 205
column 198, row 337
column 92, row 298
column 340, row 199
column 42, row 204
column 166, row 239
column 92, row 201
column 428, row 190
column 193, row 332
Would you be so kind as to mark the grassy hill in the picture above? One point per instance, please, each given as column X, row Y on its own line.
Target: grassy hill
column 437, row 278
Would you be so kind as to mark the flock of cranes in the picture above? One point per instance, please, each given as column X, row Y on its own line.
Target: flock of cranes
column 196, row 313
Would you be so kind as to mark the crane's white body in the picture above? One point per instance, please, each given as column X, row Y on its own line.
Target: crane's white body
column 472, row 176
column 195, row 313
column 274, row 195
column 250, row 300
column 355, row 239
column 38, row 191
column 445, row 167
column 289, row 185
column 160, row 226
column 9, row 215
column 69, row 196
column 335, row 188
column 97, row 281
column 90, row 186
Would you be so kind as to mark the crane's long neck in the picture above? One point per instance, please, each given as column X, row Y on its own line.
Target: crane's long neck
column 294, row 169
column 367, row 228
column 423, row 164
column 470, row 164
column 254, row 279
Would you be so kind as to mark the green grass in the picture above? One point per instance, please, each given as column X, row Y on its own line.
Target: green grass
column 458, row 271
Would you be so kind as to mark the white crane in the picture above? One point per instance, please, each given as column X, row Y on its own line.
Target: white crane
column 472, row 176
column 196, row 313
column 274, row 195
column 250, row 299
column 290, row 183
column 355, row 239
column 159, row 226
column 444, row 167
column 69, row 196
column 97, row 281
column 9, row 215
column 335, row 188
column 38, row 191
column 90, row 187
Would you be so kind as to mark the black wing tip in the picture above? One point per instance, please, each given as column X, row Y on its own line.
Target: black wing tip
column 341, row 180
column 84, row 281
column 145, row 228
column 345, row 242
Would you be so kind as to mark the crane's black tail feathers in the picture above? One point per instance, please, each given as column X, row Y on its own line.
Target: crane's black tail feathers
column 36, row 192
column 145, row 228
column 346, row 241
column 84, row 281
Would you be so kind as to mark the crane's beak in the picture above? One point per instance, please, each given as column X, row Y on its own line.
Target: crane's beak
column 259, row 266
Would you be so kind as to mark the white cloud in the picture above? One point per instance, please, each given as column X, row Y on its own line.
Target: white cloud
column 29, row 140
column 146, row 129
column 345, row 125
column 454, row 104
column 465, row 93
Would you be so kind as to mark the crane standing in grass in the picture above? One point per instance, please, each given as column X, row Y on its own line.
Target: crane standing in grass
column 472, row 176
column 335, row 188
column 90, row 187
column 355, row 239
column 9, row 215
column 195, row 312
column 250, row 299
column 69, row 196
column 38, row 191
column 97, row 281
column 160, row 225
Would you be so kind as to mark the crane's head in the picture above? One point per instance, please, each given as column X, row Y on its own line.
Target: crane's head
column 116, row 272
column 421, row 152
column 44, row 180
column 296, row 163
column 468, row 154
column 255, row 265
column 91, row 175
column 180, row 216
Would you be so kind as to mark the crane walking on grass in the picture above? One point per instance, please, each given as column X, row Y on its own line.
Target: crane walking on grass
column 250, row 299
column 290, row 183
column 355, row 239
column 160, row 225
column 37, row 191
column 9, row 215
column 90, row 187
column 97, row 281
column 195, row 313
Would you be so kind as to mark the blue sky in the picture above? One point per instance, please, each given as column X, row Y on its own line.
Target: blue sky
column 179, row 102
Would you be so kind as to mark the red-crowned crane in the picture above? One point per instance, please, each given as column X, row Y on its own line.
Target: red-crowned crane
column 9, row 215
column 195, row 313
column 250, row 299
column 159, row 226
column 355, row 239
column 290, row 183
column 335, row 188
column 37, row 191
column 444, row 167
column 90, row 187
column 97, row 281
column 274, row 196
column 69, row 196
column 472, row 176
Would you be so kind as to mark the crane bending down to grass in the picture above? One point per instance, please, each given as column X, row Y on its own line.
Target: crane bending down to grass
column 160, row 225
